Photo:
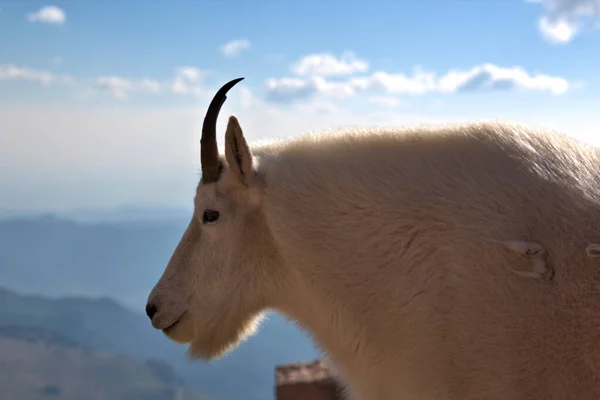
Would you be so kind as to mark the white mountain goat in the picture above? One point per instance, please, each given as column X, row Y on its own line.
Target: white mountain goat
column 430, row 263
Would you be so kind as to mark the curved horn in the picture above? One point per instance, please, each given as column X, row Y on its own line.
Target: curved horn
column 209, row 153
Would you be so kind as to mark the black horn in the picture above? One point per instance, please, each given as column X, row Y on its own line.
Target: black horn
column 209, row 152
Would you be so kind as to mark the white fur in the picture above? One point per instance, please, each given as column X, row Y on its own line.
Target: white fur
column 396, row 250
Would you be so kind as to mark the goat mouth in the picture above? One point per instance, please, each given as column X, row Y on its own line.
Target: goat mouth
column 174, row 324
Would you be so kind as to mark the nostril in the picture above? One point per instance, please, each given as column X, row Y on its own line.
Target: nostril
column 150, row 310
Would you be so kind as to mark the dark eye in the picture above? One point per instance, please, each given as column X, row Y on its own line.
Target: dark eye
column 210, row 216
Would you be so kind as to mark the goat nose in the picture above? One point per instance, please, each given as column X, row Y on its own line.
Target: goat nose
column 150, row 310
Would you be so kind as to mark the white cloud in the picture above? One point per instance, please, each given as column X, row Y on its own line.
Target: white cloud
column 419, row 82
column 486, row 77
column 118, row 87
column 287, row 90
column 121, row 88
column 149, row 86
column 187, row 80
column 564, row 19
column 380, row 85
column 14, row 72
column 557, row 31
column 49, row 15
column 235, row 47
column 328, row 65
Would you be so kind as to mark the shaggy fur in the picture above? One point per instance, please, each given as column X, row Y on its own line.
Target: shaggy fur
column 430, row 263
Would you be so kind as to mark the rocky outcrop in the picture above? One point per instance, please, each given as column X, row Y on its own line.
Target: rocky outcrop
column 306, row 381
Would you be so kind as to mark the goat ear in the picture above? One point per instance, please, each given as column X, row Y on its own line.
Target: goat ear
column 237, row 152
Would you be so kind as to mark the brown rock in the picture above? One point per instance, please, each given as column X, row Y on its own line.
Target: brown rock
column 306, row 381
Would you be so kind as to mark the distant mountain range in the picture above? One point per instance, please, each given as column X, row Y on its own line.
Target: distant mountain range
column 125, row 213
column 54, row 256
column 89, row 282
column 129, row 213
column 39, row 364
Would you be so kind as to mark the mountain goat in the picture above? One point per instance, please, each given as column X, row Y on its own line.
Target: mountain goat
column 454, row 262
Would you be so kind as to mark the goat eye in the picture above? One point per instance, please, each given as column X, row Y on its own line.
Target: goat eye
column 210, row 216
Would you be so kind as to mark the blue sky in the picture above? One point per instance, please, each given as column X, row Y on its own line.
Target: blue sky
column 100, row 101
